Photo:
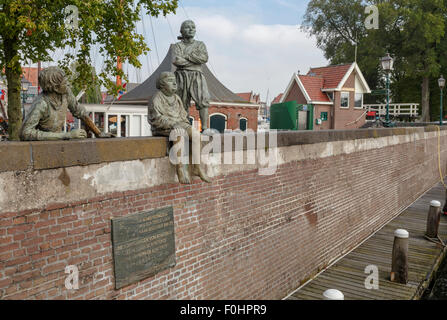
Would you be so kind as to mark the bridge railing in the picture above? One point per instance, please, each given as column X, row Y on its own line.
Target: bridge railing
column 396, row 109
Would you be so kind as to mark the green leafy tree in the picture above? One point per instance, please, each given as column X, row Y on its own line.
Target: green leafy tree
column 412, row 31
column 31, row 30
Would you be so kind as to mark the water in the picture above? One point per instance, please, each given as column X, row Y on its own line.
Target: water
column 438, row 287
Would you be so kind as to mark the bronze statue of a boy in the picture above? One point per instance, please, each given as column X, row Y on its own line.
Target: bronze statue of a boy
column 165, row 114
column 46, row 118
column 189, row 56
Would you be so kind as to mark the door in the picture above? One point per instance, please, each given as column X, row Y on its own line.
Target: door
column 217, row 122
column 302, row 120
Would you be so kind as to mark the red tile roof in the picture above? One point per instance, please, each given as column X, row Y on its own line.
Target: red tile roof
column 246, row 96
column 313, row 86
column 332, row 74
column 278, row 98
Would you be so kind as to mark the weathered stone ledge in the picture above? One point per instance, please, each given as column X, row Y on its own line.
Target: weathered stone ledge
column 20, row 156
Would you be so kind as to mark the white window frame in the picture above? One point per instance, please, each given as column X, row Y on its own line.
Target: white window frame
column 361, row 107
column 341, row 99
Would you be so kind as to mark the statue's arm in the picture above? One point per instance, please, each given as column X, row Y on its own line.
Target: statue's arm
column 157, row 119
column 81, row 113
column 29, row 130
column 179, row 59
column 75, row 108
column 199, row 55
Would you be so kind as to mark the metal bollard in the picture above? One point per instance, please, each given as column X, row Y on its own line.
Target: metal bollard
column 433, row 219
column 333, row 294
column 399, row 266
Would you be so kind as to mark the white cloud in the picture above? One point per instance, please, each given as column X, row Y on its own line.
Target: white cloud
column 245, row 54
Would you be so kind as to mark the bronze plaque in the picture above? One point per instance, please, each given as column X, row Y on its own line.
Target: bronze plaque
column 143, row 245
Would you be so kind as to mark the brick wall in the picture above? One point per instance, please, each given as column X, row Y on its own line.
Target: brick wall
column 244, row 236
column 348, row 118
column 233, row 113
column 295, row 94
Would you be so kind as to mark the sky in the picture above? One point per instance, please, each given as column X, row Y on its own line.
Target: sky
column 252, row 45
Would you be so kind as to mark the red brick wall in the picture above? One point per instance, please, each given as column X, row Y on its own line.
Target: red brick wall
column 350, row 82
column 232, row 113
column 345, row 116
column 326, row 125
column 244, row 236
column 295, row 94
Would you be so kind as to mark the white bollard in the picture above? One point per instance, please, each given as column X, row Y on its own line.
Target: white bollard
column 333, row 294
column 433, row 219
column 399, row 264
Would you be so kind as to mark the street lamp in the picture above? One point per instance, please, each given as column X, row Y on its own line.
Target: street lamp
column 387, row 66
column 25, row 86
column 441, row 82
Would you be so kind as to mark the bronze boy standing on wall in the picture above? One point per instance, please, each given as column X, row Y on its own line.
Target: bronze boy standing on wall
column 47, row 116
column 189, row 55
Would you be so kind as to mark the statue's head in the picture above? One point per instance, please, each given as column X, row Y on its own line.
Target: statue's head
column 167, row 83
column 53, row 79
column 188, row 30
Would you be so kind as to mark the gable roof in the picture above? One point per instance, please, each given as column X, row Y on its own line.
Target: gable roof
column 145, row 91
column 313, row 86
column 278, row 98
column 318, row 81
column 246, row 95
column 332, row 75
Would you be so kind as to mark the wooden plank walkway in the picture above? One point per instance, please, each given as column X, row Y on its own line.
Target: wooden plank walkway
column 348, row 274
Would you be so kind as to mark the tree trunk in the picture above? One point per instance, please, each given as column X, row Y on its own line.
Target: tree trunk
column 426, row 99
column 13, row 72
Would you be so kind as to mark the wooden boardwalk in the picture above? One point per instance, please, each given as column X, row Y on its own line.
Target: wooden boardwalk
column 348, row 274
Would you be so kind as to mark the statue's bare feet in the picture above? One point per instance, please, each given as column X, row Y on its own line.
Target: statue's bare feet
column 183, row 174
column 198, row 171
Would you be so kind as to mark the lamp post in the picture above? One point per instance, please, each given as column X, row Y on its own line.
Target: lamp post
column 441, row 82
column 387, row 65
column 25, row 86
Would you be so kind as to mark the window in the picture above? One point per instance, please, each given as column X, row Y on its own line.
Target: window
column 113, row 124
column 323, row 116
column 243, row 124
column 359, row 100
column 135, row 126
column 344, row 102
column 124, row 126
column 99, row 120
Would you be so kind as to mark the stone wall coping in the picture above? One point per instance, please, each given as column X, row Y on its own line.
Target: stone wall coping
column 39, row 155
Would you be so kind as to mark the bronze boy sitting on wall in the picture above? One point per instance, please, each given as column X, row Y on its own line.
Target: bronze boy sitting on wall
column 47, row 116
column 165, row 114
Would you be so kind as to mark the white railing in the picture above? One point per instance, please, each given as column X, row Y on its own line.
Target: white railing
column 396, row 109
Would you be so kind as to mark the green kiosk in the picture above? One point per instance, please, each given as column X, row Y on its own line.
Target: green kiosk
column 292, row 116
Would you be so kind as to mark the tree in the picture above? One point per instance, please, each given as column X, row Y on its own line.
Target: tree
column 410, row 30
column 92, row 93
column 30, row 30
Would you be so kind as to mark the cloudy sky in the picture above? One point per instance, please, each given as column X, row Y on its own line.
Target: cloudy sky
column 253, row 45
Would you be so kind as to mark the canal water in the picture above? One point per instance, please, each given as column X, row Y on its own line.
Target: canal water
column 438, row 288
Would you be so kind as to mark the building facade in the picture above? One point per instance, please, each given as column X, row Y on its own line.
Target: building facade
column 336, row 93
column 227, row 110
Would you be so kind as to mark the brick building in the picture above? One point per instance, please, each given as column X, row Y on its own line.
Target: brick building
column 336, row 92
column 228, row 111
column 256, row 99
